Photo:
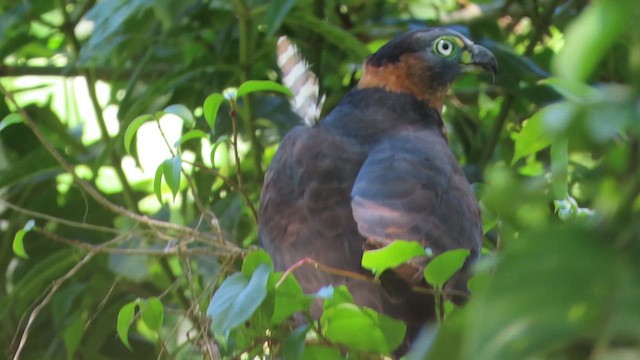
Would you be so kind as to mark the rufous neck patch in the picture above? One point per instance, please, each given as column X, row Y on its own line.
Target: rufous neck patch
column 410, row 75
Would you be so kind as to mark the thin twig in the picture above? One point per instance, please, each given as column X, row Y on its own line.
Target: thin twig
column 230, row 184
column 167, row 251
column 89, row 189
column 324, row 268
column 75, row 224
column 54, row 288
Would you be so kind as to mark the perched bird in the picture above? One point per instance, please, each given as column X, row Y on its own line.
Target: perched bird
column 376, row 169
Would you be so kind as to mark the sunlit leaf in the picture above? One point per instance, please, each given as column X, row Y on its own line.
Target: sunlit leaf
column 391, row 256
column 18, row 239
column 171, row 169
column 362, row 329
column 132, row 129
column 190, row 135
column 334, row 296
column 157, row 182
column 440, row 269
column 18, row 244
column 12, row 118
column 182, row 112
column 152, row 313
column 125, row 318
column 210, row 108
column 261, row 85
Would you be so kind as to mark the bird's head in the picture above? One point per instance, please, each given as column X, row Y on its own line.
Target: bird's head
column 424, row 63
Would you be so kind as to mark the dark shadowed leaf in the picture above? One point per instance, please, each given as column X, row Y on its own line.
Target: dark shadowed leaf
column 276, row 12
column 294, row 343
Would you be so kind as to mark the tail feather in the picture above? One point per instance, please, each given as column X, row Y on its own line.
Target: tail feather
column 303, row 83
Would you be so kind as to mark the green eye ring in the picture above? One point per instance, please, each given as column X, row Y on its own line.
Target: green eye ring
column 446, row 46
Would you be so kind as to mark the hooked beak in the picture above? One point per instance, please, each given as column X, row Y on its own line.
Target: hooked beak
column 479, row 56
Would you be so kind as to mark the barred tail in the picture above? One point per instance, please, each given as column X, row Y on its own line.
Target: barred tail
column 303, row 83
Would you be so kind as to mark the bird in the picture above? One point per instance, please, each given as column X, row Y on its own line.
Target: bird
column 375, row 169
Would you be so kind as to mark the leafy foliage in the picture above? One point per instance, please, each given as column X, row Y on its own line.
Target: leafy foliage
column 135, row 136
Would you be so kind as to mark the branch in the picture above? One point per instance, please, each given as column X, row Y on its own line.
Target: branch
column 95, row 194
column 54, row 288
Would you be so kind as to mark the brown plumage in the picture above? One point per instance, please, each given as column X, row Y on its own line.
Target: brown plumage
column 376, row 169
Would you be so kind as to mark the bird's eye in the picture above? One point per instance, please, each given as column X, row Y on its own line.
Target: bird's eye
column 444, row 47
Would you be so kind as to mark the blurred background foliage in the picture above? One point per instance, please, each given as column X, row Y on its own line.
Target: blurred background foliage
column 552, row 147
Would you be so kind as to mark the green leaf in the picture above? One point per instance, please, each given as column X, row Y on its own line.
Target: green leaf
column 73, row 333
column 543, row 128
column 18, row 239
column 530, row 139
column 573, row 90
column 237, row 299
column 38, row 276
column 222, row 139
column 132, row 129
column 362, row 329
column 334, row 296
column 171, row 169
column 590, row 36
column 276, row 12
column 182, row 112
column 440, row 269
column 152, row 313
column 211, row 105
column 391, row 256
column 289, row 299
column 261, row 85
column 125, row 318
column 253, row 260
column 157, row 182
column 321, row 352
column 13, row 118
column 345, row 41
column 294, row 343
column 560, row 167
column 190, row 135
